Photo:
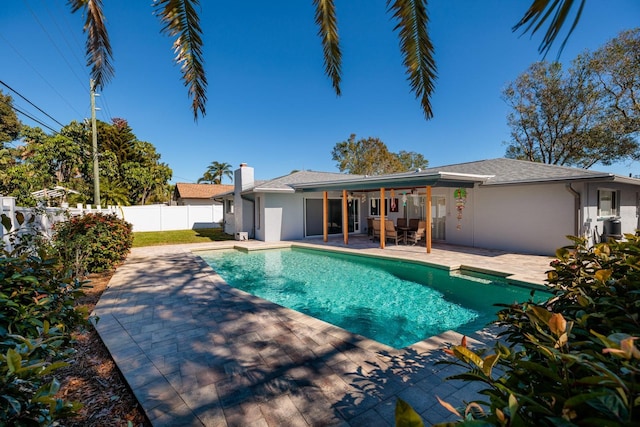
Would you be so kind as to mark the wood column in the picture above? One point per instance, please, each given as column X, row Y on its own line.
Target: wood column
column 345, row 217
column 383, row 238
column 325, row 213
column 428, row 210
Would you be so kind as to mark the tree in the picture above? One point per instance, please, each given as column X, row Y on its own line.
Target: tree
column 145, row 177
column 215, row 172
column 180, row 20
column 9, row 123
column 616, row 66
column 371, row 156
column 130, row 169
column 562, row 119
column 411, row 160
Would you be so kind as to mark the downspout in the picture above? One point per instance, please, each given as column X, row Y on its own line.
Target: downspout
column 577, row 206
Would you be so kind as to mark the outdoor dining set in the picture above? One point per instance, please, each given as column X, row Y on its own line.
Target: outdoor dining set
column 408, row 232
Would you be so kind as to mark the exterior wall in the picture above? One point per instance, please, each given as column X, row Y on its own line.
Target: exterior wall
column 282, row 217
column 528, row 219
column 462, row 235
column 628, row 208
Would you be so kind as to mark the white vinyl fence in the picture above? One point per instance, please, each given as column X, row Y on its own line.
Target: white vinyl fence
column 143, row 218
column 162, row 217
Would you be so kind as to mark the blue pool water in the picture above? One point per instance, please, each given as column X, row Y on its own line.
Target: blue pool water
column 393, row 302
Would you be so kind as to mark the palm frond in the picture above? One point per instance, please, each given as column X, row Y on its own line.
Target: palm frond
column 98, row 47
column 180, row 20
column 416, row 48
column 328, row 32
column 558, row 11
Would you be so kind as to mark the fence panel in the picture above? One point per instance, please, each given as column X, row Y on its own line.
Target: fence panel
column 162, row 217
column 143, row 218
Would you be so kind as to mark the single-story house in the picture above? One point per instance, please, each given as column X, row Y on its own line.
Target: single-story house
column 197, row 194
column 501, row 203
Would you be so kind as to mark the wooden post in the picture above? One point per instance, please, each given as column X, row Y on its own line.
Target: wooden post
column 325, row 213
column 382, row 206
column 428, row 210
column 345, row 217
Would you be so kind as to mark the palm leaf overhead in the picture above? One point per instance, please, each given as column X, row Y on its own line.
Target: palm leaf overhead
column 328, row 32
column 416, row 48
column 558, row 11
column 98, row 47
column 181, row 20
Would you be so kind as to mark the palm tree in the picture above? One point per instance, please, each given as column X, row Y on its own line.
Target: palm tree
column 207, row 178
column 180, row 21
column 215, row 172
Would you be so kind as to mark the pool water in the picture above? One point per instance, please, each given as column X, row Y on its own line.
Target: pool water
column 397, row 303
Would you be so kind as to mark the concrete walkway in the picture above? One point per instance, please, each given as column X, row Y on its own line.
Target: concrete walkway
column 197, row 352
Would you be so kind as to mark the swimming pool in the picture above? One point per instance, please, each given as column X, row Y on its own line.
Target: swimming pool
column 394, row 302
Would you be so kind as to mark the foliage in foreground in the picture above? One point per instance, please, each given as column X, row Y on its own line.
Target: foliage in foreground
column 572, row 360
column 37, row 315
column 93, row 243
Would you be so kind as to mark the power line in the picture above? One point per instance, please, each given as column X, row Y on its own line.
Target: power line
column 71, row 50
column 31, row 103
column 40, row 75
column 52, row 41
column 33, row 118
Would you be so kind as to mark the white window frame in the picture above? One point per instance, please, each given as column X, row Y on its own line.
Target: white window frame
column 613, row 199
column 228, row 206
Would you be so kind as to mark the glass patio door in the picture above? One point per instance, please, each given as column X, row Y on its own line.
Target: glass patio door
column 438, row 217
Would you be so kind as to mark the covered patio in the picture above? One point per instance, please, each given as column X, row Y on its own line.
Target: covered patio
column 410, row 181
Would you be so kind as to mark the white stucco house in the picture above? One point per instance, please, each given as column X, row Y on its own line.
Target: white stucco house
column 501, row 203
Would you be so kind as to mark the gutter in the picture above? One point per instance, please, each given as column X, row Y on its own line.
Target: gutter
column 577, row 206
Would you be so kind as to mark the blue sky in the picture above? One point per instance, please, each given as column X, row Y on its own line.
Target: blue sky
column 270, row 104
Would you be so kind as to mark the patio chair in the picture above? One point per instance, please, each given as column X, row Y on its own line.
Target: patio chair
column 414, row 237
column 375, row 226
column 413, row 224
column 401, row 222
column 369, row 226
column 390, row 232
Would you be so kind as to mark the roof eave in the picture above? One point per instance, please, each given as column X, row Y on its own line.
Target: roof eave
column 405, row 180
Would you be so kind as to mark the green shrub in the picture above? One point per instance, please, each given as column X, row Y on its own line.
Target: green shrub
column 37, row 315
column 93, row 243
column 572, row 360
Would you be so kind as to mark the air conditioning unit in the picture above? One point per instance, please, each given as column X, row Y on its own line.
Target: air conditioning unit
column 242, row 235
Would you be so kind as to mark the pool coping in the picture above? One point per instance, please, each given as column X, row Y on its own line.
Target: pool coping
column 198, row 352
column 431, row 343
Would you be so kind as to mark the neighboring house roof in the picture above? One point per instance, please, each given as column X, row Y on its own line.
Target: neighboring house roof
column 200, row 191
column 511, row 171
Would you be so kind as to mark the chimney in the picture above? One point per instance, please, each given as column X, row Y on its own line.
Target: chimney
column 242, row 181
column 243, row 177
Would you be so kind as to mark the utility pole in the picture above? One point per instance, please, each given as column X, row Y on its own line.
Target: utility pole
column 94, row 136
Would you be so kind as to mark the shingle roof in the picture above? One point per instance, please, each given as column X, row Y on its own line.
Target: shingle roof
column 200, row 191
column 511, row 171
column 284, row 183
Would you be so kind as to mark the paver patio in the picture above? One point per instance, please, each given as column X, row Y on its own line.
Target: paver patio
column 197, row 352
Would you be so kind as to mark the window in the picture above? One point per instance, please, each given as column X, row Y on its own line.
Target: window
column 228, row 206
column 374, row 207
column 607, row 203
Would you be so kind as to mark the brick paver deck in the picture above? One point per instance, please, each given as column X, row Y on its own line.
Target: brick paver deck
column 197, row 352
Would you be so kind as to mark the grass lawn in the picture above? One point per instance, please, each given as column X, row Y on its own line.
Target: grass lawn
column 155, row 238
